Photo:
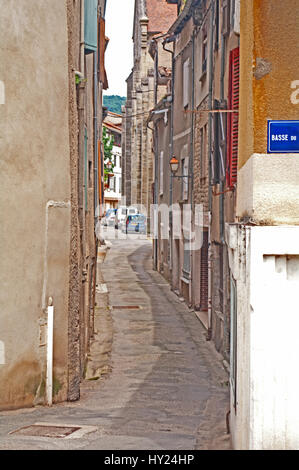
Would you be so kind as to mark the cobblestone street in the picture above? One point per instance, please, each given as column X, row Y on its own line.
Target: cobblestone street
column 154, row 380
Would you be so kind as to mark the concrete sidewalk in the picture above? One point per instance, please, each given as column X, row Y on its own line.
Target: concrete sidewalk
column 158, row 384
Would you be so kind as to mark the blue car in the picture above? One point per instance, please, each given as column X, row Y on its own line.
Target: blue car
column 135, row 224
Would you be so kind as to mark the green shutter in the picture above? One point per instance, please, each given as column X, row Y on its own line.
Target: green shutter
column 91, row 25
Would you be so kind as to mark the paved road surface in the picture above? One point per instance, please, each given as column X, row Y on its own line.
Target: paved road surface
column 163, row 385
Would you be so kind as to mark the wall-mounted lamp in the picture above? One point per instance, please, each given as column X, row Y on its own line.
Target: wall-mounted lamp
column 174, row 166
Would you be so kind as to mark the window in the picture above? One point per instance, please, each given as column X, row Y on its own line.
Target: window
column 187, row 260
column 204, row 49
column 186, row 68
column 112, row 183
column 232, row 14
column 161, row 172
column 225, row 17
column 185, row 181
column 233, row 118
column 219, row 143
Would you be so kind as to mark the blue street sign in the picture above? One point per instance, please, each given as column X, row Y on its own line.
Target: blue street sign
column 283, row 136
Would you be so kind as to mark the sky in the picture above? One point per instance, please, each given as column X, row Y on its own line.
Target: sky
column 119, row 52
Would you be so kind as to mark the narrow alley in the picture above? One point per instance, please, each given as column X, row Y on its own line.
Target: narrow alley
column 162, row 387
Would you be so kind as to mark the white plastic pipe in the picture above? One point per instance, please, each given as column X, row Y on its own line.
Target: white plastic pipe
column 50, row 355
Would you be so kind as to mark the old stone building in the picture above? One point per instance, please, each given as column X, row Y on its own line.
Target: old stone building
column 205, row 37
column 50, row 189
column 152, row 18
column 244, row 276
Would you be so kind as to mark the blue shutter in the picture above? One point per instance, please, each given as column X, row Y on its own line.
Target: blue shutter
column 91, row 25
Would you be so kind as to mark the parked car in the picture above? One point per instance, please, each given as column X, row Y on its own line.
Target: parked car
column 109, row 218
column 121, row 215
column 135, row 224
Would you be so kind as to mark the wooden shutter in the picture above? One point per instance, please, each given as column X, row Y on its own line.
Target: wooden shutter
column 233, row 118
column 90, row 25
column 204, row 274
column 102, row 43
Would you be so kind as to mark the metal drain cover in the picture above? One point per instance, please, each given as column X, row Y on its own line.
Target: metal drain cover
column 55, row 431
column 126, row 307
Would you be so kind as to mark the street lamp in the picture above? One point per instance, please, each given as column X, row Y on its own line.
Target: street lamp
column 109, row 165
column 174, row 165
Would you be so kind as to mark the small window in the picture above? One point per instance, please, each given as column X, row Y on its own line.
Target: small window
column 186, row 68
column 225, row 17
column 185, row 180
column 161, row 172
column 204, row 50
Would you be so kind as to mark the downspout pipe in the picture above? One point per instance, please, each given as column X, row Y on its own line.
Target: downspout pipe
column 211, row 77
column 95, row 107
column 156, row 231
column 223, row 49
column 82, row 39
column 168, row 40
column 50, row 337
column 191, row 163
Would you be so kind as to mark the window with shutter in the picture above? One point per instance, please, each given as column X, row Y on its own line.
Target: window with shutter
column 91, row 25
column 233, row 118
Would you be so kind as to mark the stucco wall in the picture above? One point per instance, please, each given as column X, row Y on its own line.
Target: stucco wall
column 35, row 169
column 269, row 66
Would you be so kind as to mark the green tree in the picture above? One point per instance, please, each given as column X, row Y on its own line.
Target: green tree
column 114, row 103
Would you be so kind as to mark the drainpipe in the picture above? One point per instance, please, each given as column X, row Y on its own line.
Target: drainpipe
column 82, row 39
column 156, row 200
column 50, row 331
column 191, row 163
column 168, row 40
column 210, row 175
column 95, row 107
column 223, row 49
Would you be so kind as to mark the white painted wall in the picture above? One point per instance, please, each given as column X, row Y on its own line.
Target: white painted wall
column 109, row 194
column 265, row 264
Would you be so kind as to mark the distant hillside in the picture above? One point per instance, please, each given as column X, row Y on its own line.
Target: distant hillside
column 114, row 103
